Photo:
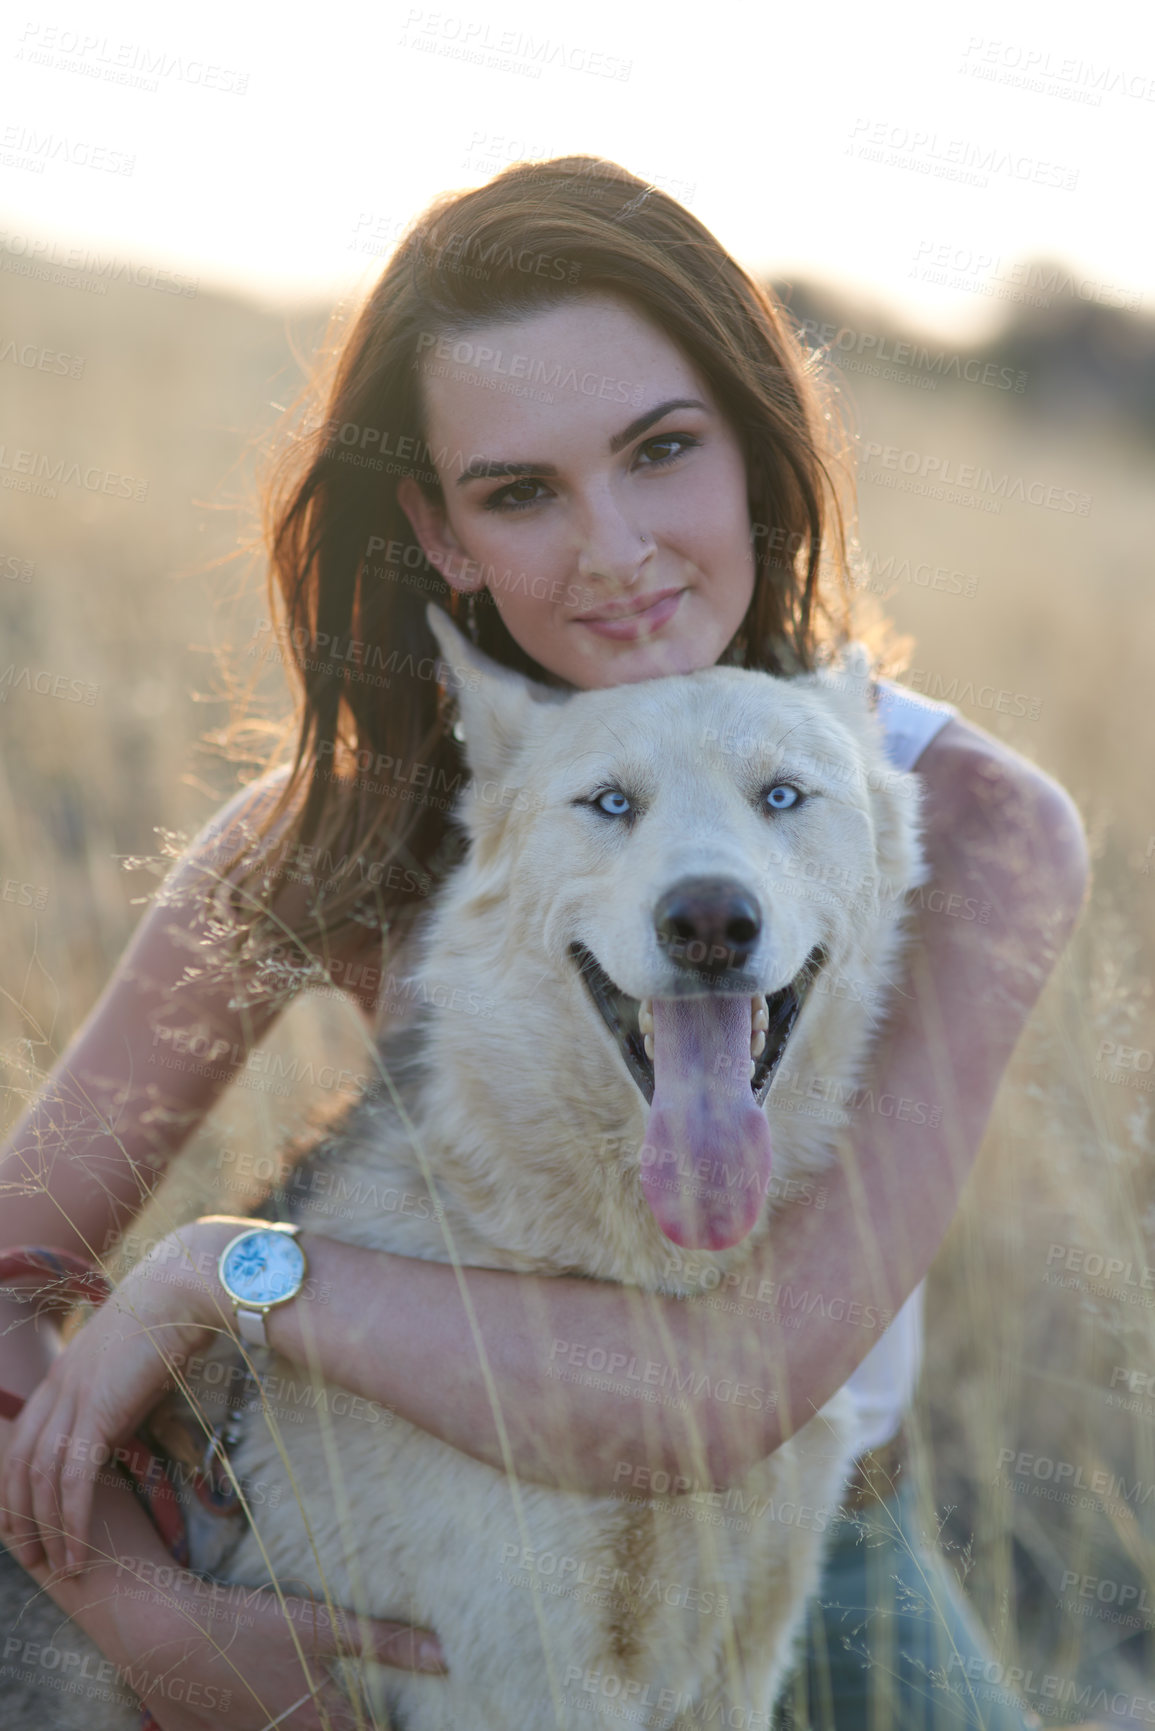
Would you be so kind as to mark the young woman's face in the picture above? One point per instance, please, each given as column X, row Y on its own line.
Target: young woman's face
column 605, row 509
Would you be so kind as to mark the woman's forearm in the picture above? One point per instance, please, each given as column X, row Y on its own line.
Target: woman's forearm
column 580, row 1383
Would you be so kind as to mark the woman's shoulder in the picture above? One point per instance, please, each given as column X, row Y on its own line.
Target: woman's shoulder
column 988, row 787
column 235, row 819
column 351, row 955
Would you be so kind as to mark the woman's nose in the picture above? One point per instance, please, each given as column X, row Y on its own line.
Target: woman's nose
column 613, row 550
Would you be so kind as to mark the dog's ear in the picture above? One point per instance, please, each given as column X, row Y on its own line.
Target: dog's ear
column 496, row 705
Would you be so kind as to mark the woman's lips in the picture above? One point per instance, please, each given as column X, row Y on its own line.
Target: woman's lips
column 641, row 623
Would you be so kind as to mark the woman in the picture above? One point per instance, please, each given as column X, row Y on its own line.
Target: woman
column 606, row 444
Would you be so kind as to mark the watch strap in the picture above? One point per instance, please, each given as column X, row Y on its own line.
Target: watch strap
column 251, row 1326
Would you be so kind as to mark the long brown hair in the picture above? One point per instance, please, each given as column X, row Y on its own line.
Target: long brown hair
column 375, row 756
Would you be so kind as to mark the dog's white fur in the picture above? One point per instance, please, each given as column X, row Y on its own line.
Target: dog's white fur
column 518, row 1107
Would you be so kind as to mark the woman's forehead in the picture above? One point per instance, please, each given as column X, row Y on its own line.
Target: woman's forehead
column 581, row 364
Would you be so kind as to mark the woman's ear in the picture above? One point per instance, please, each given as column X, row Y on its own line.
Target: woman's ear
column 438, row 542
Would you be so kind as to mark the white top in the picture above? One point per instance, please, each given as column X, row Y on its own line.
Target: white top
column 883, row 1385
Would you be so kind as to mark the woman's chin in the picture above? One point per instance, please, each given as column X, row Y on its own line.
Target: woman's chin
column 655, row 660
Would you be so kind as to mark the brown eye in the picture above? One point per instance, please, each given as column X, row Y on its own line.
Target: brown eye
column 683, row 442
column 502, row 500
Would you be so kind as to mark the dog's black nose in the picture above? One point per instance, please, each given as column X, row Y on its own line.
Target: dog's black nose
column 708, row 924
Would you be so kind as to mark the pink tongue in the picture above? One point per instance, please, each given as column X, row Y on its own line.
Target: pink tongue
column 706, row 1157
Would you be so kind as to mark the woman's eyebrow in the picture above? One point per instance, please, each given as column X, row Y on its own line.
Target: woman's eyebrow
column 482, row 468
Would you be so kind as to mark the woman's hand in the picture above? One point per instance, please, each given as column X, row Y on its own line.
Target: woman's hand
column 202, row 1653
column 241, row 1662
column 94, row 1395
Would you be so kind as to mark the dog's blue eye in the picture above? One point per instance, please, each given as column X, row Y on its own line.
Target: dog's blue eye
column 614, row 803
column 782, row 796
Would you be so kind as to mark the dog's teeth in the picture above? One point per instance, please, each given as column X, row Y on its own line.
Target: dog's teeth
column 751, row 1069
column 757, row 1044
column 646, row 1016
column 649, row 1044
column 761, row 1016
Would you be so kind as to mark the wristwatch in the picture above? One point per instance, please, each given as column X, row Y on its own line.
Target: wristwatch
column 262, row 1267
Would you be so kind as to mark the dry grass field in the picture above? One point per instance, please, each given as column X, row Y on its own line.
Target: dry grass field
column 1032, row 1346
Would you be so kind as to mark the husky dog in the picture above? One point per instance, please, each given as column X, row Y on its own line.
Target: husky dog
column 668, row 885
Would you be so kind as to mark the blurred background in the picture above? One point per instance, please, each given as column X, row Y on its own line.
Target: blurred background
column 942, row 203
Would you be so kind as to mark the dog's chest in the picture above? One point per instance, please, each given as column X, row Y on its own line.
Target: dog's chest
column 387, row 1519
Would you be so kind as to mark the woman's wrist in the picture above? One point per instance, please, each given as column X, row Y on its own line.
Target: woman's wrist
column 187, row 1261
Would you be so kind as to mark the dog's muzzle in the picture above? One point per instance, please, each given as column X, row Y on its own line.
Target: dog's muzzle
column 622, row 1016
column 703, row 1055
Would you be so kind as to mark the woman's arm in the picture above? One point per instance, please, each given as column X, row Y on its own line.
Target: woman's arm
column 1004, row 840
column 120, row 1102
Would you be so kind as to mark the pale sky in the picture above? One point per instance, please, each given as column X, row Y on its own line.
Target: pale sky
column 282, row 150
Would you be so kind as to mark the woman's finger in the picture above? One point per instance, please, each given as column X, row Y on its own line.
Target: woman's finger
column 76, row 1489
column 408, row 1648
column 15, row 1487
column 388, row 1642
column 27, row 1542
column 52, row 1447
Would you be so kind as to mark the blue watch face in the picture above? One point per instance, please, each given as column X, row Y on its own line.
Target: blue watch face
column 264, row 1266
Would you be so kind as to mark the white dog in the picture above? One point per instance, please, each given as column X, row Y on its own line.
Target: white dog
column 666, row 882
